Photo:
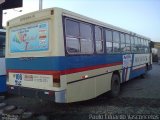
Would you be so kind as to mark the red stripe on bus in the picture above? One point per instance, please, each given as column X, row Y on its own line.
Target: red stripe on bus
column 63, row 72
column 89, row 68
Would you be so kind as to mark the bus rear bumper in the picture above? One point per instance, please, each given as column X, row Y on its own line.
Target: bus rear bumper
column 56, row 96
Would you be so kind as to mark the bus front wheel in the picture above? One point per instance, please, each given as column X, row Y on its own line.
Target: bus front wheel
column 115, row 85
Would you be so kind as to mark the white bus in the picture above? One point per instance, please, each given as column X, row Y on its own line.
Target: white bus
column 66, row 57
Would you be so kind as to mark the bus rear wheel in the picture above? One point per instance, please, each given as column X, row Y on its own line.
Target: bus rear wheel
column 115, row 85
column 145, row 72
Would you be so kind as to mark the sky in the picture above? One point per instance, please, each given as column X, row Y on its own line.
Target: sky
column 139, row 16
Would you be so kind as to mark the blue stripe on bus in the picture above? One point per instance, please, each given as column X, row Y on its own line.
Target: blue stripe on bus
column 137, row 72
column 3, row 87
column 61, row 62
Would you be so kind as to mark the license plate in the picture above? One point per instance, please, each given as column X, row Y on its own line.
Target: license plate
column 30, row 80
column 17, row 79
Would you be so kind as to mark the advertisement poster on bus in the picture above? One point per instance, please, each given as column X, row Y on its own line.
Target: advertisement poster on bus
column 127, row 60
column 29, row 38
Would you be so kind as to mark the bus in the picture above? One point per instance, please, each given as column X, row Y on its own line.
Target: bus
column 62, row 56
column 3, row 87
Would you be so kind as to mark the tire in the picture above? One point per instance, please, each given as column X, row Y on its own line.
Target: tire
column 144, row 74
column 115, row 85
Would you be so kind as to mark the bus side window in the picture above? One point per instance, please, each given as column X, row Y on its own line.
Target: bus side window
column 72, row 36
column 133, row 48
column 99, row 40
column 128, row 43
column 135, row 43
column 79, row 37
column 139, row 45
column 86, row 38
column 116, row 42
column 147, row 50
column 123, row 42
column 108, row 37
column 142, row 45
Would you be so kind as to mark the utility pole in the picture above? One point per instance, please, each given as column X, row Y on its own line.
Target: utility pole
column 40, row 4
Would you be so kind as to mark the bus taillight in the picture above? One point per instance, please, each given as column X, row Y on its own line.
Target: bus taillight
column 56, row 80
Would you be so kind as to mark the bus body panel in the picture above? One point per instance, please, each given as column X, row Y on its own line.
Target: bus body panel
column 81, row 76
column 55, row 37
column 89, row 84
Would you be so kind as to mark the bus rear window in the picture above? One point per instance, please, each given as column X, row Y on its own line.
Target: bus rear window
column 29, row 38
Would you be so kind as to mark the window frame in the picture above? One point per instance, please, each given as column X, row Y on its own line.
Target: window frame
column 110, row 30
column 116, row 42
column 102, row 39
column 134, row 40
column 65, row 18
column 133, row 45
column 126, row 43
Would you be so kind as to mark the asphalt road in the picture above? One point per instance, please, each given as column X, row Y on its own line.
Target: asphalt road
column 148, row 88
column 139, row 99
